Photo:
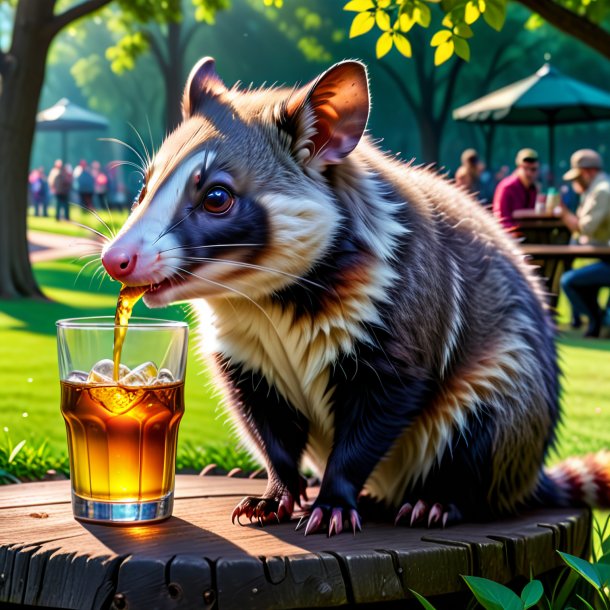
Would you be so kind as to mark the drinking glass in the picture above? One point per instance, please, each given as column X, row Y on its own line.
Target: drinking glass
column 122, row 433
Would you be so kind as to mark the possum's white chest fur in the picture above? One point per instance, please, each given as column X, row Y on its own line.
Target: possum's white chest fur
column 295, row 352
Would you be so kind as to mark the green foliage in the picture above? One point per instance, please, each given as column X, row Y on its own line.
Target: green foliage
column 194, row 457
column 25, row 461
column 395, row 18
column 495, row 596
column 133, row 25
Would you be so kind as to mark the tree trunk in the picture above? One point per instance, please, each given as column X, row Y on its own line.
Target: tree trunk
column 21, row 85
column 173, row 77
column 430, row 135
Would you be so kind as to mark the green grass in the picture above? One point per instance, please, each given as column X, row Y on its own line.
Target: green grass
column 101, row 221
column 29, row 394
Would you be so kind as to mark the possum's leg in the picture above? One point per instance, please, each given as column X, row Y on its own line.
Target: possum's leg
column 456, row 489
column 372, row 407
column 280, row 433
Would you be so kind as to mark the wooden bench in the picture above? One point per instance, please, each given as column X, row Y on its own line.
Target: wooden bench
column 198, row 559
column 555, row 259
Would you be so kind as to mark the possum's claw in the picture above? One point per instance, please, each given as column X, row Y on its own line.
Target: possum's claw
column 315, row 521
column 264, row 510
column 335, row 522
column 437, row 515
column 419, row 510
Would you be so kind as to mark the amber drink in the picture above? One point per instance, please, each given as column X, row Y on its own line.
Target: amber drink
column 122, row 429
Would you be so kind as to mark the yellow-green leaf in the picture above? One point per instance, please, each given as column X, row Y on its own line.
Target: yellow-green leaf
column 471, row 13
column 362, row 24
column 495, row 14
column 443, row 52
column 534, row 22
column 422, row 14
column 405, row 22
column 383, row 3
column 463, row 30
column 448, row 21
column 383, row 20
column 462, row 48
column 359, row 5
column 384, row 44
column 440, row 37
column 402, row 44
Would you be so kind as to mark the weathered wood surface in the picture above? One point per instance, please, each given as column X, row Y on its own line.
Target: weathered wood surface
column 198, row 559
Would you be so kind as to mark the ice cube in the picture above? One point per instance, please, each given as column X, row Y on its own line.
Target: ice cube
column 164, row 376
column 78, row 377
column 144, row 374
column 103, row 372
column 116, row 399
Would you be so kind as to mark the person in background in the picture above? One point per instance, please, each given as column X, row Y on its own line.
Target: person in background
column 100, row 188
column 468, row 174
column 517, row 191
column 84, row 183
column 60, row 181
column 41, row 201
column 590, row 225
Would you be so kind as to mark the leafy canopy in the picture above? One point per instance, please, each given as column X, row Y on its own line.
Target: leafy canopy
column 395, row 19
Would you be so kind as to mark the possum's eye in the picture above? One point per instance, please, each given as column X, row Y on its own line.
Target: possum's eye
column 218, row 200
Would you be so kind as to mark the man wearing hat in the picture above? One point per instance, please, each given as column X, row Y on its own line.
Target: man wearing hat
column 517, row 191
column 590, row 225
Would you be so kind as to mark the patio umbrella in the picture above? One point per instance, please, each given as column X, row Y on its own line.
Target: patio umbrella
column 547, row 97
column 65, row 117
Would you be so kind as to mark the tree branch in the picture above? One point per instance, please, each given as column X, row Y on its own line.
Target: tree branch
column 72, row 14
column 576, row 26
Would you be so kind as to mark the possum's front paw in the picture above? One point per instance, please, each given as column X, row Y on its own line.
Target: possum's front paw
column 265, row 510
column 333, row 516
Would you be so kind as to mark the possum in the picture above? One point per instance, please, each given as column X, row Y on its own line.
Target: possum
column 372, row 319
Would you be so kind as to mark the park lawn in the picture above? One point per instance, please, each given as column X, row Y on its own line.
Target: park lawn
column 104, row 221
column 29, row 395
column 29, row 399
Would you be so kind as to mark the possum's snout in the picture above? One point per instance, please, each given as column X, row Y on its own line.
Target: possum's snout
column 120, row 262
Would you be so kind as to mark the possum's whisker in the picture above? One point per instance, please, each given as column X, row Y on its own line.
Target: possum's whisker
column 211, row 246
column 98, row 233
column 95, row 260
column 152, row 143
column 252, row 266
column 132, row 164
column 146, row 153
column 97, row 216
column 234, row 290
column 172, row 227
column 131, row 148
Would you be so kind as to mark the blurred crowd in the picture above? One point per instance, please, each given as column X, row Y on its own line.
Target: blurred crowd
column 582, row 204
column 89, row 185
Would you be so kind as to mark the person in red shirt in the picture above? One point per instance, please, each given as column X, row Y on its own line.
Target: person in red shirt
column 517, row 191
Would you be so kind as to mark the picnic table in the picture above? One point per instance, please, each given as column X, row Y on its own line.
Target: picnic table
column 199, row 559
column 555, row 259
column 540, row 227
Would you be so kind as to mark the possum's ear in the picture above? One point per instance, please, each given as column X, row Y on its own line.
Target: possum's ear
column 328, row 117
column 201, row 82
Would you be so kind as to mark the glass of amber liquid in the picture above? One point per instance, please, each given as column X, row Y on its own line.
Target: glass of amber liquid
column 122, row 429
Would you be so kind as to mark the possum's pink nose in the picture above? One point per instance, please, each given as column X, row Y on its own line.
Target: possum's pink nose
column 119, row 262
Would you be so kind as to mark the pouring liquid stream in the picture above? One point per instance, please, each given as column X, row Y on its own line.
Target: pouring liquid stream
column 128, row 297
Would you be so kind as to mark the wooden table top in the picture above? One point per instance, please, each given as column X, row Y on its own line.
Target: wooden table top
column 198, row 557
column 531, row 214
column 567, row 250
